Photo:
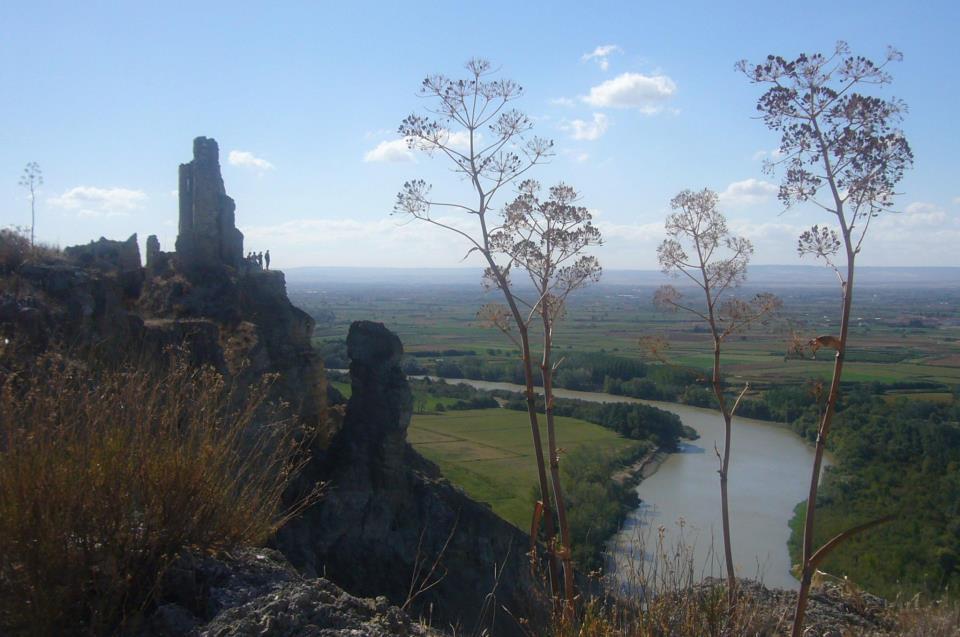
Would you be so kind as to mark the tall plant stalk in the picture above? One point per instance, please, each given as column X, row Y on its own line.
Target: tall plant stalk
column 32, row 180
column 546, row 239
column 848, row 144
column 469, row 124
column 699, row 227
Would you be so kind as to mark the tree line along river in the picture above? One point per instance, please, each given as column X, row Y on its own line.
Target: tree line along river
column 769, row 475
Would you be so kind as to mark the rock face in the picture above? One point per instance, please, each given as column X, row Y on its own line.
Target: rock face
column 208, row 234
column 202, row 299
column 388, row 516
column 389, row 523
column 258, row 331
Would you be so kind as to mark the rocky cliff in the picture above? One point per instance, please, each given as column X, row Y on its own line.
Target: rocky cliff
column 204, row 298
column 390, row 524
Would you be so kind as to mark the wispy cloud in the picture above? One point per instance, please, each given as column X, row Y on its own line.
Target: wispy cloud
column 641, row 232
column 460, row 140
column 917, row 213
column 647, row 93
column 246, row 159
column 601, row 55
column 91, row 201
column 563, row 101
column 387, row 241
column 748, row 192
column 399, row 150
column 772, row 155
column 587, row 130
column 393, row 151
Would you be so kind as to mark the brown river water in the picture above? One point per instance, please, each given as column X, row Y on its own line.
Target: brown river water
column 769, row 475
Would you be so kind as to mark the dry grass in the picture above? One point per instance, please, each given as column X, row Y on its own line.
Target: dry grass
column 15, row 249
column 919, row 619
column 661, row 597
column 106, row 476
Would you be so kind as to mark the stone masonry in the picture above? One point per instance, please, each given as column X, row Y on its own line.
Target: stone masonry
column 208, row 236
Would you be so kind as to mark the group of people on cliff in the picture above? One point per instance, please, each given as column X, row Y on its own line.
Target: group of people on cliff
column 259, row 259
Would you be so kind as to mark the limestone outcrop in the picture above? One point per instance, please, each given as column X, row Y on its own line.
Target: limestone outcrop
column 388, row 514
column 257, row 592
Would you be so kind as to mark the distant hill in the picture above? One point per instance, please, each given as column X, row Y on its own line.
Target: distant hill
column 769, row 276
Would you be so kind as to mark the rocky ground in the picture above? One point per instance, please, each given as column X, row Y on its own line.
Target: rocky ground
column 257, row 592
column 834, row 610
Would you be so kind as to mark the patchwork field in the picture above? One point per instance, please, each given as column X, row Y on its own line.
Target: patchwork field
column 489, row 454
column 899, row 336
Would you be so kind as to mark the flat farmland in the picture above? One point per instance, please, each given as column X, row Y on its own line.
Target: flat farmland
column 898, row 336
column 489, row 453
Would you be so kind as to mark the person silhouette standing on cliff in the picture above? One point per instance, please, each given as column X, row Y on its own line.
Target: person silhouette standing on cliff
column 260, row 259
column 266, row 258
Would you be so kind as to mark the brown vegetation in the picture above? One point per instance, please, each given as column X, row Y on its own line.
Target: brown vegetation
column 699, row 227
column 842, row 151
column 473, row 106
column 107, row 475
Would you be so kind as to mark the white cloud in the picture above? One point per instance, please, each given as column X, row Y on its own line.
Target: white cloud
column 748, row 192
column 394, row 151
column 772, row 155
column 956, row 200
column 563, row 101
column 247, row 159
column 916, row 214
column 647, row 93
column 90, row 201
column 589, row 131
column 398, row 150
column 632, row 231
column 601, row 55
column 460, row 140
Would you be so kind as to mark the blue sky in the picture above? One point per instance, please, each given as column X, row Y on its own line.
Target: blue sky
column 108, row 96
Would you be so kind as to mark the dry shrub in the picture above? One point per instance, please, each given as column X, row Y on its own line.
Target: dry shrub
column 662, row 597
column 15, row 249
column 107, row 475
column 660, row 593
column 919, row 619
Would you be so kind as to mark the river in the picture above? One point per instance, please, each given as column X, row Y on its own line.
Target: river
column 769, row 475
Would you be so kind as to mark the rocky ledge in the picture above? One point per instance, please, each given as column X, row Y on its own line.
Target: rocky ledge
column 256, row 592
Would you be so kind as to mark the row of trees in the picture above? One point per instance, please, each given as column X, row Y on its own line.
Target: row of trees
column 840, row 150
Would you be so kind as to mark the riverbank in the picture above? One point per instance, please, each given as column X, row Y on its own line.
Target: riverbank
column 641, row 469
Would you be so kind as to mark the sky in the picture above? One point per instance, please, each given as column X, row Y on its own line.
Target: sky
column 641, row 99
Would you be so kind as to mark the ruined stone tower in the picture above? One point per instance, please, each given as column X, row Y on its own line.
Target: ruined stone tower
column 208, row 235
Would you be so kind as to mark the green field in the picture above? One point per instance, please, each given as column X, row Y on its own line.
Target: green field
column 489, row 453
column 899, row 335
